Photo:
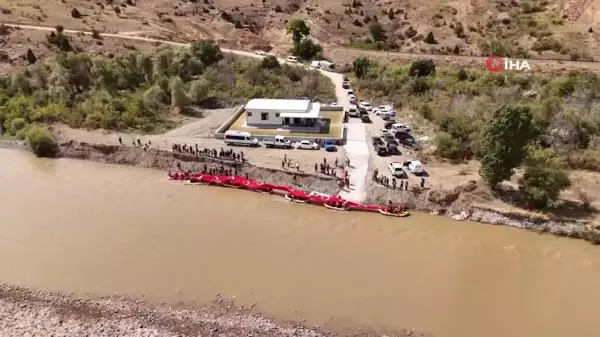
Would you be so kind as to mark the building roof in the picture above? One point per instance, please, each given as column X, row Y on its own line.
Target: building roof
column 312, row 111
column 291, row 105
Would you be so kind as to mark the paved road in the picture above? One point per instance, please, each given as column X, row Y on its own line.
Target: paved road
column 356, row 148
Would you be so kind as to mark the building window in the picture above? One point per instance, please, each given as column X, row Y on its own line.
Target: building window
column 277, row 114
column 264, row 116
column 249, row 113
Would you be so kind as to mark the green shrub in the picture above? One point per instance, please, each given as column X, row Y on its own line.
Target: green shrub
column 16, row 125
column 41, row 141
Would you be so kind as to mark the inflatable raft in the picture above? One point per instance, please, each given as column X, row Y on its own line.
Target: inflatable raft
column 288, row 192
column 402, row 214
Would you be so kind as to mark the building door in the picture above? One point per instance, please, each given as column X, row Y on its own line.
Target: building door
column 286, row 121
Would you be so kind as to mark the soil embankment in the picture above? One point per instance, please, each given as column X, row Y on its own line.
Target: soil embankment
column 466, row 203
column 167, row 160
column 37, row 313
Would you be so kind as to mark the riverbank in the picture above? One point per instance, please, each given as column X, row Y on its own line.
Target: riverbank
column 466, row 202
column 461, row 203
column 38, row 313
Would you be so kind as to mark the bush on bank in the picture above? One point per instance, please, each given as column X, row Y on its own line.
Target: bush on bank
column 459, row 103
column 41, row 141
column 139, row 91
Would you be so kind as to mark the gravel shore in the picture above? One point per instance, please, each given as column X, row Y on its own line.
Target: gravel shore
column 25, row 312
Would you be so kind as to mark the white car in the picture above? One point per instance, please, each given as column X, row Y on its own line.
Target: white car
column 380, row 112
column 260, row 52
column 396, row 169
column 306, row 145
column 292, row 59
column 400, row 127
column 351, row 97
column 366, row 105
column 350, row 92
column 383, row 133
column 415, row 167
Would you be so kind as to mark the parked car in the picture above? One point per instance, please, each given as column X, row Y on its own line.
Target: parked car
column 306, row 145
column 329, row 146
column 380, row 149
column 388, row 124
column 352, row 110
column 345, row 78
column 384, row 132
column 366, row 105
column 365, row 119
column 376, row 140
column 400, row 127
column 259, row 52
column 415, row 167
column 277, row 141
column 291, row 59
column 350, row 92
column 346, row 85
column 396, row 169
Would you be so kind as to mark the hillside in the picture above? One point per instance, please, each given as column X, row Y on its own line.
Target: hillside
column 538, row 29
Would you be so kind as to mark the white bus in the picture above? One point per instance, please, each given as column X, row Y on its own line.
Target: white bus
column 240, row 138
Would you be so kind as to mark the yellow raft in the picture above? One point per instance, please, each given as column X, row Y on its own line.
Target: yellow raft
column 403, row 214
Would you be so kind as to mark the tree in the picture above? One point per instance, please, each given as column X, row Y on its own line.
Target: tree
column 544, row 177
column 360, row 66
column 377, row 32
column 207, row 52
column 297, row 29
column 199, row 89
column 391, row 14
column 270, row 62
column 153, row 99
column 178, row 97
column 505, row 136
column 31, row 57
column 307, row 49
column 422, row 68
column 459, row 30
column 429, row 38
column 41, row 141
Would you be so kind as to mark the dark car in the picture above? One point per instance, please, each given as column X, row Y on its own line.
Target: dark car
column 365, row 119
column 381, row 149
column 345, row 78
column 388, row 124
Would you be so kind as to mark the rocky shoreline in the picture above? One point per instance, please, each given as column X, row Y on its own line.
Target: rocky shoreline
column 26, row 312
column 436, row 202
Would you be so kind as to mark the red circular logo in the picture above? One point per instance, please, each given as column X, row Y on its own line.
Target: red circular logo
column 495, row 64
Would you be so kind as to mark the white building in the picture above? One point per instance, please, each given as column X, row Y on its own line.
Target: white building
column 277, row 113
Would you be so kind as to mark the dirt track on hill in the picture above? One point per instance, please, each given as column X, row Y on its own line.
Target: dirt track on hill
column 346, row 55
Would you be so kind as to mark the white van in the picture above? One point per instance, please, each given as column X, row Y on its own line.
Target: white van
column 240, row 138
column 292, row 59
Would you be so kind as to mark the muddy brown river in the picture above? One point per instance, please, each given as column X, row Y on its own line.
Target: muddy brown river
column 84, row 227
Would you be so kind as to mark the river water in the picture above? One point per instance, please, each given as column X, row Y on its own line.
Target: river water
column 84, row 227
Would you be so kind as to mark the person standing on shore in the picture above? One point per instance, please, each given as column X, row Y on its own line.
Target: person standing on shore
column 120, row 140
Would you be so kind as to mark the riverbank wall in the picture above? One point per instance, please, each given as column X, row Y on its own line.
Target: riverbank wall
column 38, row 313
column 456, row 204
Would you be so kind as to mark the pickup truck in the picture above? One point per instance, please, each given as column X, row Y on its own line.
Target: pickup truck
column 277, row 141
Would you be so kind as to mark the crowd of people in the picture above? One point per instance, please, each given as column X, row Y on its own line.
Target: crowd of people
column 228, row 154
column 393, row 182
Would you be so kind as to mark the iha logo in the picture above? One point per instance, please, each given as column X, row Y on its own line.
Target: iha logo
column 496, row 64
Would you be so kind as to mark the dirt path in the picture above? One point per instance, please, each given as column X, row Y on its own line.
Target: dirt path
column 347, row 55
